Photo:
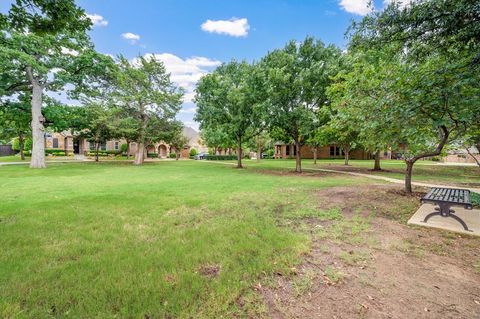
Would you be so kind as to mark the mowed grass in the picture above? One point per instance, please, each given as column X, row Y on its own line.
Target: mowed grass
column 424, row 171
column 169, row 239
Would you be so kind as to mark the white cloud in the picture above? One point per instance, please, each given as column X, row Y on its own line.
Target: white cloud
column 401, row 3
column 360, row 7
column 132, row 37
column 184, row 72
column 97, row 20
column 233, row 27
column 191, row 110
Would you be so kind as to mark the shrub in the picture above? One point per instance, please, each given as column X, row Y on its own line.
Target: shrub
column 475, row 198
column 100, row 153
column 123, row 148
column 193, row 152
column 172, row 155
column 55, row 152
column 152, row 155
column 114, row 152
column 221, row 157
column 27, row 144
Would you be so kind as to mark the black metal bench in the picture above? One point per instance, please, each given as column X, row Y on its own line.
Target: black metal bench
column 446, row 198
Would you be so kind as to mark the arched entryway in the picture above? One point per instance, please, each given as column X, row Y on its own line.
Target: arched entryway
column 162, row 151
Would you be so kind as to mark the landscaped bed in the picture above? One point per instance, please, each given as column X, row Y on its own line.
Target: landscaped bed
column 197, row 239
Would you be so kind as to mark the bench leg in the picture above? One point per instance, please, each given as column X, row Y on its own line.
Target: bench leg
column 431, row 215
column 444, row 210
column 458, row 219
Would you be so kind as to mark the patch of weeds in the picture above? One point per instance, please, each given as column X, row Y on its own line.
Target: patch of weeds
column 438, row 249
column 324, row 249
column 304, row 282
column 250, row 305
column 475, row 198
column 364, row 280
column 477, row 267
column 354, row 257
column 350, row 230
column 313, row 212
column 333, row 275
column 409, row 248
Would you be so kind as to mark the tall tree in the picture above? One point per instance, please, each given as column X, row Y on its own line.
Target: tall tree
column 44, row 46
column 216, row 139
column 144, row 91
column 98, row 124
column 430, row 82
column 297, row 77
column 231, row 100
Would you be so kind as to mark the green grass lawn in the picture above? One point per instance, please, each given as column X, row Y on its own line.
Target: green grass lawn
column 13, row 158
column 167, row 239
column 424, row 171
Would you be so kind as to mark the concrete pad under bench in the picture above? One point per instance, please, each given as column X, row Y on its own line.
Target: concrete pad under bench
column 470, row 216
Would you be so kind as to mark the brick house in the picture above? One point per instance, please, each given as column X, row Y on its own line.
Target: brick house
column 462, row 156
column 65, row 141
column 325, row 152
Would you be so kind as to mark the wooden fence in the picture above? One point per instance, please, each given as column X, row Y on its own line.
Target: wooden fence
column 6, row 150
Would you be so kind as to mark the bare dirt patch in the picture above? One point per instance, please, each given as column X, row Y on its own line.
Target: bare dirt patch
column 210, row 271
column 371, row 264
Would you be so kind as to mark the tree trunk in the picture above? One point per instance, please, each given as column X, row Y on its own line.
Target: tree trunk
column 346, row 150
column 315, row 151
column 239, row 152
column 97, row 147
column 230, row 151
column 444, row 134
column 408, row 175
column 38, row 137
column 259, row 153
column 377, row 167
column 21, row 143
column 177, row 154
column 298, row 158
column 139, row 154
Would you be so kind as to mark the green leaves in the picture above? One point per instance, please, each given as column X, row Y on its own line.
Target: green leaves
column 230, row 100
column 297, row 77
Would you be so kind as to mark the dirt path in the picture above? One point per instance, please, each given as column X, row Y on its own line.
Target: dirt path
column 377, row 177
column 369, row 264
column 389, row 179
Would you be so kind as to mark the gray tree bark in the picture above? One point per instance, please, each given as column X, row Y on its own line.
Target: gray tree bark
column 38, row 131
column 139, row 154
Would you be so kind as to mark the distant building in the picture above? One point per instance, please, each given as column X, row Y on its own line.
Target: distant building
column 462, row 156
column 325, row 152
column 70, row 144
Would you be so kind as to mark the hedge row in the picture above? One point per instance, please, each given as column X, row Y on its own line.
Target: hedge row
column 55, row 152
column 221, row 157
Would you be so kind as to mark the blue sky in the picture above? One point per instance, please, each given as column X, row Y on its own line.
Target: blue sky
column 193, row 36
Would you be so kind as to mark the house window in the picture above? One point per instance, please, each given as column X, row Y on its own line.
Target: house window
column 294, row 150
column 55, row 142
column 287, row 151
column 116, row 146
column 103, row 146
column 92, row 146
column 332, row 151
